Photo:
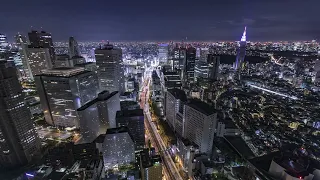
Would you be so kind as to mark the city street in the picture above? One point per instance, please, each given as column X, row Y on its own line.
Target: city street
column 171, row 171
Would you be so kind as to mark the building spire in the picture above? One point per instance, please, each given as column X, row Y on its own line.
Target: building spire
column 244, row 37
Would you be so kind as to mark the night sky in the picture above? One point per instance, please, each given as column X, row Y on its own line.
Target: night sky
column 162, row 20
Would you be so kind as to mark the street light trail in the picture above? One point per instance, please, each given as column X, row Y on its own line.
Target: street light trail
column 273, row 92
column 171, row 168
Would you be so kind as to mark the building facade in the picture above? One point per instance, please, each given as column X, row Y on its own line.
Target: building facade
column 203, row 54
column 189, row 65
column 38, row 60
column 118, row 148
column 200, row 124
column 73, row 48
column 134, row 120
column 213, row 66
column 19, row 141
column 22, row 43
column 179, row 57
column 98, row 115
column 241, row 51
column 174, row 109
column 3, row 43
column 110, row 68
column 42, row 40
column 62, row 91
column 163, row 53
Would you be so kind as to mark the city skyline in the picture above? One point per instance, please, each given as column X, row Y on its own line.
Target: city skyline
column 146, row 21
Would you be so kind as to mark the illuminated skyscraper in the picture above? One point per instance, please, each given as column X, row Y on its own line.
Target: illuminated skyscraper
column 38, row 60
column 201, row 70
column 200, row 122
column 179, row 57
column 213, row 66
column 118, row 147
column 19, row 140
column 241, row 52
column 42, row 40
column 174, row 109
column 134, row 120
column 3, row 43
column 73, row 47
column 110, row 68
column 189, row 64
column 163, row 53
column 317, row 70
column 62, row 91
column 203, row 54
column 98, row 115
column 23, row 47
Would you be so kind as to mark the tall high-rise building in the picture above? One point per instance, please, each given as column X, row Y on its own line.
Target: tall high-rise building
column 118, row 147
column 317, row 70
column 23, row 47
column 134, row 120
column 62, row 91
column 201, row 70
column 213, row 66
column 189, row 65
column 19, row 141
column 110, row 68
column 203, row 54
column 174, row 109
column 163, row 53
column 171, row 80
column 3, row 43
column 200, row 124
column 38, row 59
column 42, row 40
column 241, row 51
column 73, row 47
column 98, row 115
column 179, row 57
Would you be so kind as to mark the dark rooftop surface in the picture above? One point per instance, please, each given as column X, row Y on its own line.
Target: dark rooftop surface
column 100, row 138
column 229, row 123
column 103, row 96
column 201, row 106
column 64, row 76
column 129, row 113
column 187, row 142
column 117, row 130
column 241, row 146
column 178, row 94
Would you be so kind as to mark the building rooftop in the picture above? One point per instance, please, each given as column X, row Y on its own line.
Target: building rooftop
column 229, row 124
column 100, row 138
column 63, row 72
column 103, row 96
column 122, row 129
column 201, row 106
column 187, row 142
column 129, row 113
column 178, row 94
